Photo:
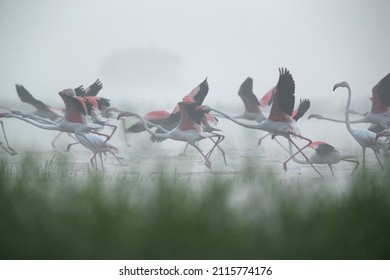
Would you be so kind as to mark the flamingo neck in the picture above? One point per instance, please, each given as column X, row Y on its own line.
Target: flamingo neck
column 342, row 121
column 159, row 135
column 256, row 126
column 347, row 121
column 38, row 124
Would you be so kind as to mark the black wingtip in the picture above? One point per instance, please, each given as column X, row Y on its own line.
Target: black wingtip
column 304, row 105
column 204, row 85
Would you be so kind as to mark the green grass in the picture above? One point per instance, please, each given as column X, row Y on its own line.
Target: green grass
column 47, row 212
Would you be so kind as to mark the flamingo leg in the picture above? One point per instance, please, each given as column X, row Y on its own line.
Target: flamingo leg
column 220, row 138
column 91, row 160
column 207, row 163
column 364, row 158
column 71, row 136
column 118, row 158
column 124, row 132
column 55, row 139
column 331, row 169
column 114, row 127
column 185, row 149
column 101, row 160
column 300, row 151
column 8, row 149
column 377, row 157
column 70, row 145
column 355, row 161
column 262, row 138
column 58, row 135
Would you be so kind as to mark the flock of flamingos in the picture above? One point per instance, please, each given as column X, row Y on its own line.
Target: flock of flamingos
column 85, row 114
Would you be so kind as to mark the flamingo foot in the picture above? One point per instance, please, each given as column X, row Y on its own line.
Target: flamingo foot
column 285, row 166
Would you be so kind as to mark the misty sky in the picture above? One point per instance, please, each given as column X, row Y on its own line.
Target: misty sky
column 154, row 52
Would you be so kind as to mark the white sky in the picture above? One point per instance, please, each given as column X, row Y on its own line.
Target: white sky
column 153, row 52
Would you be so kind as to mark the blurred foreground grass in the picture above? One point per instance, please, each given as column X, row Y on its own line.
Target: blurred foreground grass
column 48, row 212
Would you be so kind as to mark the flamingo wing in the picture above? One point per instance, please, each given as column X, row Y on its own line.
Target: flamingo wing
column 94, row 89
column 324, row 149
column 80, row 91
column 248, row 97
column 170, row 123
column 383, row 90
column 26, row 96
column 198, row 94
column 285, row 89
column 267, row 99
column 304, row 105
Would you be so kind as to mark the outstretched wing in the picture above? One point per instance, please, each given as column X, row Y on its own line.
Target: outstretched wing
column 382, row 88
column 79, row 91
column 248, row 97
column 94, row 89
column 26, row 96
column 304, row 105
column 285, row 89
column 198, row 94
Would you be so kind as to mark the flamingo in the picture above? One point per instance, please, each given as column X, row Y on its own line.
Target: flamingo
column 379, row 116
column 74, row 121
column 258, row 110
column 188, row 129
column 196, row 96
column 365, row 138
column 208, row 122
column 97, row 145
column 93, row 104
column 326, row 154
column 254, row 109
column 280, row 121
column 45, row 114
column 303, row 106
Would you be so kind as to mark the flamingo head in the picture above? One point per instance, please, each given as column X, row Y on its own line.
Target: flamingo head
column 125, row 114
column 204, row 108
column 341, row 84
column 315, row 116
column 68, row 92
column 384, row 133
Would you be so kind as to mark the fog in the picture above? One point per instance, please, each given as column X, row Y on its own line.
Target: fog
column 148, row 54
